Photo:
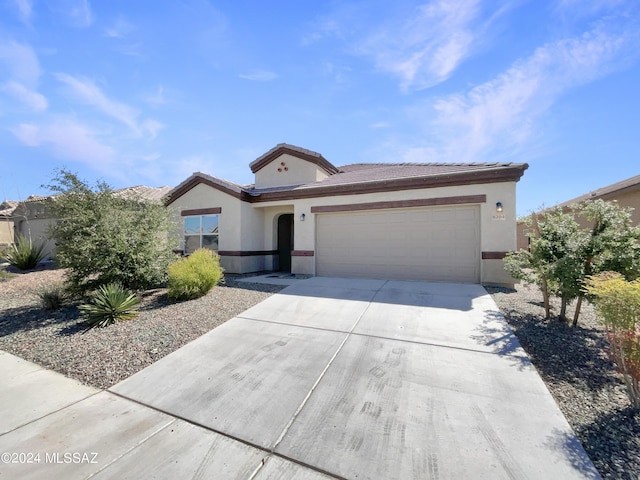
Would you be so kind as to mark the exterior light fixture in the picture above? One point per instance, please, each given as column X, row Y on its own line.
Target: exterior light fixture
column 302, row 217
column 499, row 207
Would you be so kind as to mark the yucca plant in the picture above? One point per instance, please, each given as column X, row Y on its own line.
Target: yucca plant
column 23, row 254
column 110, row 304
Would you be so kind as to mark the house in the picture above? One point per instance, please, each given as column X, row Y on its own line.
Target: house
column 626, row 193
column 432, row 221
column 6, row 223
column 32, row 217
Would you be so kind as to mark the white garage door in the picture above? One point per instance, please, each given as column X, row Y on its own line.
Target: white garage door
column 432, row 243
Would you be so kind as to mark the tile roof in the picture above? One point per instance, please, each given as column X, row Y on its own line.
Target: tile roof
column 139, row 191
column 632, row 183
column 7, row 208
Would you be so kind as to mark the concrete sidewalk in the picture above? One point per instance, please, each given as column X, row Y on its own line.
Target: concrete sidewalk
column 330, row 378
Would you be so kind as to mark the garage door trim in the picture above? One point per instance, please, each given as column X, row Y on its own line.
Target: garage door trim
column 420, row 202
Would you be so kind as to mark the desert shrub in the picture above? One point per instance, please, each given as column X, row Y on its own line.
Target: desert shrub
column 103, row 237
column 52, row 297
column 194, row 276
column 617, row 302
column 111, row 303
column 24, row 254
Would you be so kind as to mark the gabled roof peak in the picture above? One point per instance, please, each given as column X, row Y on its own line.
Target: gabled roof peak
column 299, row 152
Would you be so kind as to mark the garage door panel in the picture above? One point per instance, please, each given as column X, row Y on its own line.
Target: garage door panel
column 440, row 243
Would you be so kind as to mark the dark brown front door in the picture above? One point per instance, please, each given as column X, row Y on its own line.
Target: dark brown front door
column 285, row 241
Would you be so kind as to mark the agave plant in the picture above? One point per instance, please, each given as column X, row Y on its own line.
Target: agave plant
column 110, row 304
column 23, row 254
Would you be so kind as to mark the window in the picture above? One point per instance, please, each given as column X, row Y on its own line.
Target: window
column 200, row 231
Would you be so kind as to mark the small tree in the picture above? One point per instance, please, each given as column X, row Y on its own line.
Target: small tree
column 104, row 238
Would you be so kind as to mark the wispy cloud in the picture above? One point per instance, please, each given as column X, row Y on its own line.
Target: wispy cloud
column 32, row 99
column 259, row 76
column 502, row 114
column 24, row 8
column 156, row 98
column 120, row 29
column 67, row 139
column 77, row 13
column 425, row 50
column 89, row 93
column 21, row 62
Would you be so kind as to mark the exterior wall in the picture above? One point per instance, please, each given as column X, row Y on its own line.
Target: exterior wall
column 498, row 230
column 37, row 230
column 6, row 231
column 298, row 171
column 625, row 199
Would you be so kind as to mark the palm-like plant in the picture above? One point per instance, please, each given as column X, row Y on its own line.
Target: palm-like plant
column 110, row 304
column 23, row 254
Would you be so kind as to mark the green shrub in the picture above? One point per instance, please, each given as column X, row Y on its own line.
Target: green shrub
column 110, row 304
column 617, row 302
column 52, row 297
column 24, row 255
column 194, row 276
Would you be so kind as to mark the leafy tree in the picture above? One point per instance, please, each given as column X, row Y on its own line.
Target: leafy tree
column 553, row 261
column 103, row 237
column 562, row 253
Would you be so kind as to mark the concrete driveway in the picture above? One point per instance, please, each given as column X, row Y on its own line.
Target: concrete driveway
column 330, row 378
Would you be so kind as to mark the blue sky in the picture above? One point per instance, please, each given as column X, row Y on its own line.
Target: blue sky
column 147, row 92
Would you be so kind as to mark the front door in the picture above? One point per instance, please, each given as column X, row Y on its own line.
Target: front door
column 285, row 241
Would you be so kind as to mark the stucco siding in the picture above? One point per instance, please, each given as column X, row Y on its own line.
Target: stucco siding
column 295, row 171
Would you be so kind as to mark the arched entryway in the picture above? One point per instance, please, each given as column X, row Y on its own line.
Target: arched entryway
column 285, row 241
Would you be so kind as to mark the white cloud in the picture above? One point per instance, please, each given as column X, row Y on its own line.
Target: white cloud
column 425, row 50
column 381, row 125
column 120, row 29
column 88, row 92
column 67, row 139
column 156, row 98
column 501, row 114
column 21, row 61
column 32, row 99
column 259, row 76
column 25, row 9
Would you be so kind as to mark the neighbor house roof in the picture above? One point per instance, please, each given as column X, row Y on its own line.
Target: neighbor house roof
column 605, row 193
column 139, row 191
column 7, row 208
column 356, row 178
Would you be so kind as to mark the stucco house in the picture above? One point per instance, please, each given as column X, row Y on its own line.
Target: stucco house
column 431, row 221
column 32, row 217
column 626, row 193
column 6, row 223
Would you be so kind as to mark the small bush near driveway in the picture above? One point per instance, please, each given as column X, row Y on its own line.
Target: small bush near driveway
column 194, row 276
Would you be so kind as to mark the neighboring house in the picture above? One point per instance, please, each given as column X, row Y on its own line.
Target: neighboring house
column 626, row 193
column 6, row 223
column 433, row 221
column 32, row 217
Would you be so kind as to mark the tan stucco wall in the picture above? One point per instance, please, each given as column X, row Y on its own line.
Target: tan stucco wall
column 298, row 171
column 37, row 230
column 6, row 231
column 626, row 199
column 496, row 235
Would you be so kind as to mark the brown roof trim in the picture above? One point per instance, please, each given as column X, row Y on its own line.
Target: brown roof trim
column 198, row 178
column 628, row 185
column 422, row 202
column 285, row 148
column 512, row 173
column 506, row 173
column 201, row 211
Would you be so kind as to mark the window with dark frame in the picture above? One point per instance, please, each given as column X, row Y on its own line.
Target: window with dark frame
column 200, row 231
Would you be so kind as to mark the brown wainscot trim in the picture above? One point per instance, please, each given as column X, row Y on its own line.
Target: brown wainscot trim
column 246, row 253
column 423, row 202
column 201, row 211
column 493, row 255
column 302, row 253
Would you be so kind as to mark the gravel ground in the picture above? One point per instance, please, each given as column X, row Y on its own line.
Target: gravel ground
column 571, row 361
column 102, row 357
column 583, row 381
